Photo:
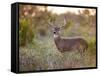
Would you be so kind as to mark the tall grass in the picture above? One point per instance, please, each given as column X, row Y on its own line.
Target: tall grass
column 42, row 54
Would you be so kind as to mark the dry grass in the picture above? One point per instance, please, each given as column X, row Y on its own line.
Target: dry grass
column 42, row 54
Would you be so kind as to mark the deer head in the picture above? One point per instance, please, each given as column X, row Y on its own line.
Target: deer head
column 57, row 28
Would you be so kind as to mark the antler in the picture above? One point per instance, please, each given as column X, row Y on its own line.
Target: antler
column 64, row 22
column 51, row 24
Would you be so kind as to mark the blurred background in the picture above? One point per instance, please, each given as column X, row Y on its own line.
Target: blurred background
column 37, row 49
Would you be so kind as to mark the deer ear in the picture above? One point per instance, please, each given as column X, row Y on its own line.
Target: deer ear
column 62, row 27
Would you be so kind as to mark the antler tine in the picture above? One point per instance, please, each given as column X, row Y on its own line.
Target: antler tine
column 64, row 22
column 51, row 23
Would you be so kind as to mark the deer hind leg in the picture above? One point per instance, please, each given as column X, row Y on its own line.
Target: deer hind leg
column 84, row 45
column 81, row 49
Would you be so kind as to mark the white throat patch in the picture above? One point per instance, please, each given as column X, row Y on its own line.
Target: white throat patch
column 55, row 36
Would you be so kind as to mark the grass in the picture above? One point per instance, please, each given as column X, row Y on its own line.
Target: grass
column 42, row 54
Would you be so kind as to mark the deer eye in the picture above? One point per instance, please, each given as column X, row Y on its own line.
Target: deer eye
column 54, row 32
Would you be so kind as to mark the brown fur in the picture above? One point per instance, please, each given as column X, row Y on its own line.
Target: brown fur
column 64, row 45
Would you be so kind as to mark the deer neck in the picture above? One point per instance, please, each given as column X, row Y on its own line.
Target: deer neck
column 56, row 37
column 57, row 40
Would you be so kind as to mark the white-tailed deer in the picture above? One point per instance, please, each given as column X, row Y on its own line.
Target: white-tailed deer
column 68, row 44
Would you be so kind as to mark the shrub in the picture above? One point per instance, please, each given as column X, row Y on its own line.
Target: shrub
column 26, row 33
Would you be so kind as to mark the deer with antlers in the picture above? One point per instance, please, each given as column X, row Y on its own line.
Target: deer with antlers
column 68, row 44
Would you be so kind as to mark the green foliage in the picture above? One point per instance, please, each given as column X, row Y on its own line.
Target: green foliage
column 69, row 24
column 26, row 33
column 92, row 45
